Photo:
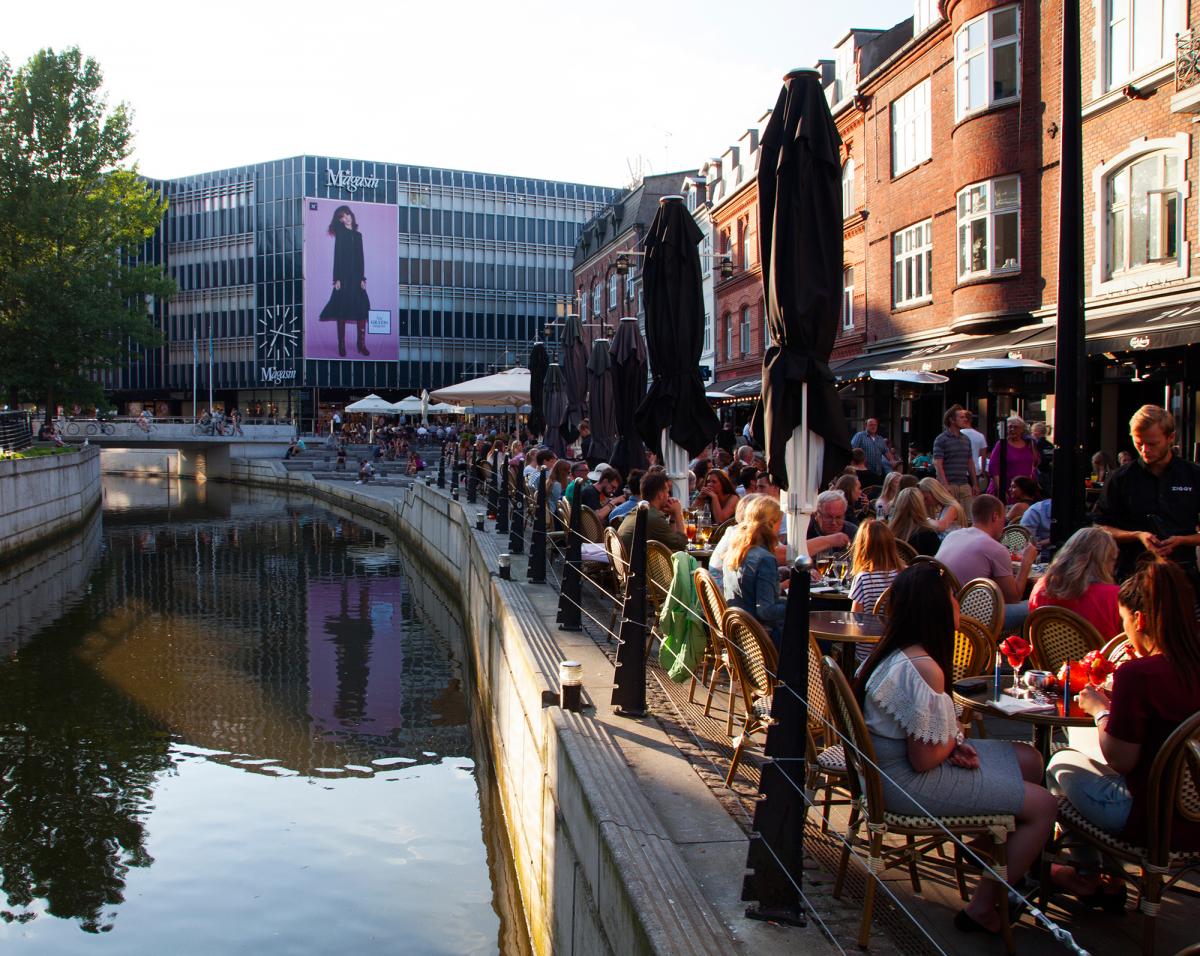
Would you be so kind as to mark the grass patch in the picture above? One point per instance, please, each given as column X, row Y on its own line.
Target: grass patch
column 39, row 451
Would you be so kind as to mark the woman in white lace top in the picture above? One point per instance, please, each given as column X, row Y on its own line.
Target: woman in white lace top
column 926, row 766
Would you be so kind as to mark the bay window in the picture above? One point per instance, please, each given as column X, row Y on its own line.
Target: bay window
column 987, row 61
column 989, row 227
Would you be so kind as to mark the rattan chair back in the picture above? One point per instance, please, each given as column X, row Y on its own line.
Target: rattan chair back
column 863, row 780
column 1059, row 635
column 616, row 555
column 719, row 532
column 973, row 648
column 751, row 655
column 659, row 572
column 712, row 601
column 883, row 603
column 1118, row 649
column 590, row 525
column 945, row 571
column 981, row 600
column 907, row 552
column 1015, row 537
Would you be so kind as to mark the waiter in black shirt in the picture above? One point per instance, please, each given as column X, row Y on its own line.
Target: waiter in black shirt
column 1153, row 504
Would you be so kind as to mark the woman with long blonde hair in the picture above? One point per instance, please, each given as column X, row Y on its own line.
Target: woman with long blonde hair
column 1080, row 578
column 751, row 578
column 874, row 563
column 938, row 501
column 887, row 495
column 910, row 522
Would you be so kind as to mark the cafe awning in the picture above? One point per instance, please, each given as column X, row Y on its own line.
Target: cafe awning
column 741, row 389
column 936, row 356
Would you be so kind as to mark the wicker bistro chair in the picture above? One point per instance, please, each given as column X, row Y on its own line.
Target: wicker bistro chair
column 719, row 531
column 1015, row 537
column 716, row 657
column 923, row 835
column 824, row 757
column 973, row 652
column 1058, row 636
column 946, row 572
column 907, row 552
column 620, row 572
column 754, row 661
column 883, row 603
column 981, row 600
column 660, row 571
column 1174, row 792
column 1118, row 649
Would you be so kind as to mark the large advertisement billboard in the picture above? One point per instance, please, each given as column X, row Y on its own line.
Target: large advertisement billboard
column 351, row 296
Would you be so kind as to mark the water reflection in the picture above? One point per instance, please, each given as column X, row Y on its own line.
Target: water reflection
column 270, row 641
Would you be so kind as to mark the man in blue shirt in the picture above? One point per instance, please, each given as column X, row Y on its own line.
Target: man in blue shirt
column 879, row 455
column 1037, row 520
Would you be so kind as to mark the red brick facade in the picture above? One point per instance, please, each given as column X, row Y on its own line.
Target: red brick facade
column 738, row 298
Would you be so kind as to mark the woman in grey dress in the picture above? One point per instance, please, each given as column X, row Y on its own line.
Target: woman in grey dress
column 927, row 767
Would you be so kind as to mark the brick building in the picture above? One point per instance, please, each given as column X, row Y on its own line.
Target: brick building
column 603, row 295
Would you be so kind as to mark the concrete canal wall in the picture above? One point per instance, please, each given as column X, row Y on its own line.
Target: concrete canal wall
column 42, row 498
column 597, row 869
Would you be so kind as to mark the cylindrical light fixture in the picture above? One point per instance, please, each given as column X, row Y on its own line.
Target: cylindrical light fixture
column 505, row 565
column 570, row 682
column 479, row 518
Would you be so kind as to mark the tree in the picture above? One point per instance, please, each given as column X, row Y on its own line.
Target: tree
column 74, row 294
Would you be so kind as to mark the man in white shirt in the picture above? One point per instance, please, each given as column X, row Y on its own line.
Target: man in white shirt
column 979, row 449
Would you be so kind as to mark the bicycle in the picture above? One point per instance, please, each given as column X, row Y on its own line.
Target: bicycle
column 104, row 428
column 70, row 428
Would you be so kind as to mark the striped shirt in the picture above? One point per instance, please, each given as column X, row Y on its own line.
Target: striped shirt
column 954, row 451
column 864, row 591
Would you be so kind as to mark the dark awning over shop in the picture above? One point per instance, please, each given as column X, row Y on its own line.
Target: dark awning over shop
column 742, row 389
column 1135, row 330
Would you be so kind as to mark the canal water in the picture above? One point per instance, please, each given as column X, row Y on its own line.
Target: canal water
column 232, row 721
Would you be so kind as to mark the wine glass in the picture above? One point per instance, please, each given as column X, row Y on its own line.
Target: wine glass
column 823, row 562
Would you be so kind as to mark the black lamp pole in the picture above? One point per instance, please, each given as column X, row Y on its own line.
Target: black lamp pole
column 1070, row 377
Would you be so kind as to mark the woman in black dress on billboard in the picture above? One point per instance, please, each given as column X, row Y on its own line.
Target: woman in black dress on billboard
column 349, row 301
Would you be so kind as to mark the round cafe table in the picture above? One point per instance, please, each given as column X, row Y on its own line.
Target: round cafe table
column 846, row 628
column 1042, row 721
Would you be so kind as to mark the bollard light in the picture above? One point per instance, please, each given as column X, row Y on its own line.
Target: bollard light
column 428, row 482
column 505, row 564
column 479, row 518
column 454, row 492
column 570, row 682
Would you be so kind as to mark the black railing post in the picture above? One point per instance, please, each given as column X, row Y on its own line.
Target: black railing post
column 516, row 538
column 472, row 479
column 629, row 679
column 502, row 500
column 570, row 612
column 537, row 544
column 775, row 859
column 454, row 469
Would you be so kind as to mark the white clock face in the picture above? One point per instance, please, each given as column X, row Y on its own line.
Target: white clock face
column 279, row 333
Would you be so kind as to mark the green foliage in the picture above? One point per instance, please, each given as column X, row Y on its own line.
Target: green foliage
column 73, row 300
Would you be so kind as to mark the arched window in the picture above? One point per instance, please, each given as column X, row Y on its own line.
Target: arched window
column 1143, row 219
column 848, row 188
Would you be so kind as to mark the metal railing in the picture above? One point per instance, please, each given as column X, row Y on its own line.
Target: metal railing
column 16, row 430
column 1187, row 60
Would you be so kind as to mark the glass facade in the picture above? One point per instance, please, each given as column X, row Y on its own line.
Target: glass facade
column 484, row 262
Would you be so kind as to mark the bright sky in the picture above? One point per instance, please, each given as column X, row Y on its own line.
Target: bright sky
column 558, row 89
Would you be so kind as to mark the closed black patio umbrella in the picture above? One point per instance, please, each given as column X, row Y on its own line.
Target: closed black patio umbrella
column 574, row 360
column 800, row 418
column 539, row 360
column 674, row 302
column 554, row 401
column 601, row 410
column 628, row 360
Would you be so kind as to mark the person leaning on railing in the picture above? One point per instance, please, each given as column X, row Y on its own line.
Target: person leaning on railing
column 1152, row 694
column 927, row 767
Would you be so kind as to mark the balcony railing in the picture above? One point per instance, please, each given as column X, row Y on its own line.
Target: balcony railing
column 1187, row 60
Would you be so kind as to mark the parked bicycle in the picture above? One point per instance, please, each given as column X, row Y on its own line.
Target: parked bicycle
column 99, row 427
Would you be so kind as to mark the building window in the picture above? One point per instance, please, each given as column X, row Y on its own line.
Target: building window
column 728, row 336
column 912, row 139
column 987, row 61
column 582, row 306
column 912, row 264
column 1143, row 218
column 1139, row 35
column 612, row 291
column 989, row 226
column 925, row 15
column 743, row 230
column 708, row 334
column 848, row 188
column 745, row 336
column 597, row 302
column 847, row 299
column 630, row 279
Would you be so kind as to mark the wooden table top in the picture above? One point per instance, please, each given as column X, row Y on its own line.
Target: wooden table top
column 1056, row 718
column 846, row 626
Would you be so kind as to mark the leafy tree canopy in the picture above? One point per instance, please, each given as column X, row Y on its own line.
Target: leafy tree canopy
column 74, row 220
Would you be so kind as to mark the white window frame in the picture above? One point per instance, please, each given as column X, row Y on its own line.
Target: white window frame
column 597, row 301
column 990, row 213
column 744, row 329
column 612, row 290
column 985, row 55
column 583, row 303
column 1173, row 18
column 848, row 187
column 1103, row 281
column 912, row 128
column 630, row 280
column 925, row 15
column 848, row 299
column 729, row 335
column 708, row 334
column 912, row 264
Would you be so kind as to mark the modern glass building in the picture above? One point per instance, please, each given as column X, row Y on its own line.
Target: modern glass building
column 479, row 264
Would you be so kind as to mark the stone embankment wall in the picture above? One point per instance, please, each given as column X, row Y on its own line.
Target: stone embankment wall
column 41, row 498
column 597, row 870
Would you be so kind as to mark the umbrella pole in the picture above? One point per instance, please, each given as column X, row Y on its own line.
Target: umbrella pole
column 675, row 460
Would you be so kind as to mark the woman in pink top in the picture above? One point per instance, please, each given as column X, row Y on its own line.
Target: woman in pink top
column 1020, row 458
column 1080, row 579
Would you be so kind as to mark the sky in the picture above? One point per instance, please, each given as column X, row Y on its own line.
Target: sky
column 584, row 92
